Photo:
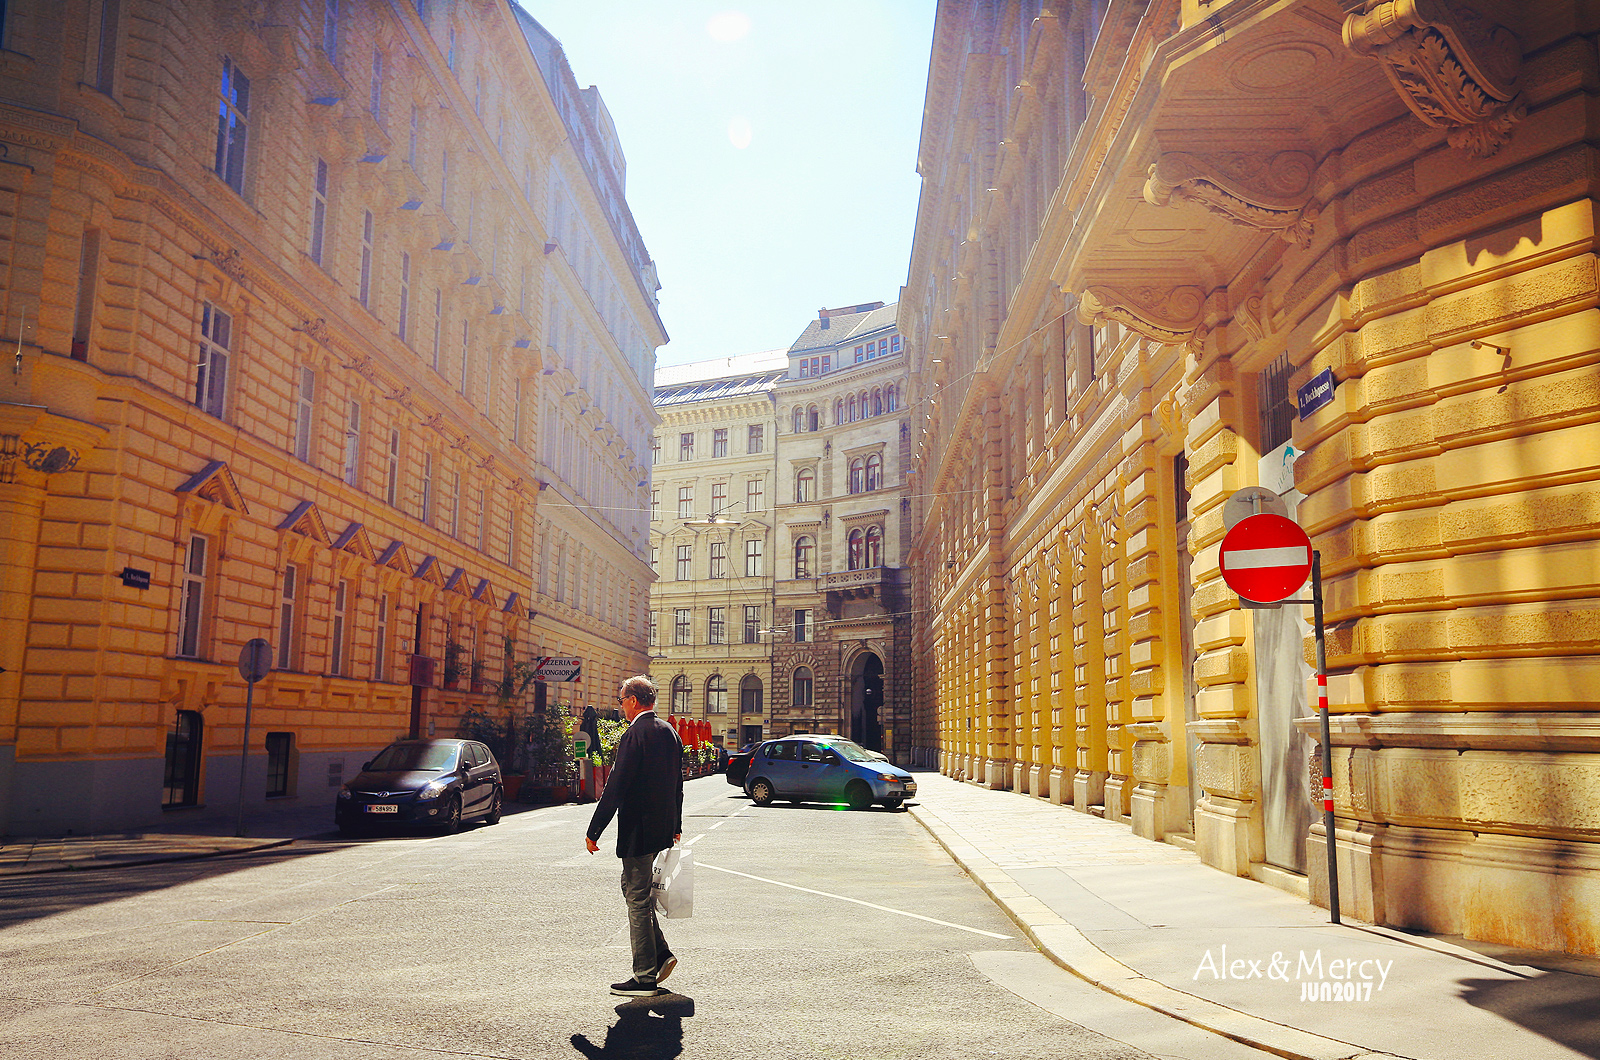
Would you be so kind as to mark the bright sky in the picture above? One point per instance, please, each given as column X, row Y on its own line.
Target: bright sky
column 771, row 147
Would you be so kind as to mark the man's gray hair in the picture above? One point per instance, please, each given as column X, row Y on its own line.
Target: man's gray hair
column 640, row 688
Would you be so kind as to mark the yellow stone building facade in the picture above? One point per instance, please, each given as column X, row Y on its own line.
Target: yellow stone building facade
column 1144, row 229
column 331, row 327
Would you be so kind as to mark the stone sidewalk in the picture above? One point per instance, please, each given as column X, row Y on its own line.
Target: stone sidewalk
column 1150, row 923
column 181, row 840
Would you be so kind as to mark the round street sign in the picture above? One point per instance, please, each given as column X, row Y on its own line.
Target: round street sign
column 255, row 660
column 1265, row 558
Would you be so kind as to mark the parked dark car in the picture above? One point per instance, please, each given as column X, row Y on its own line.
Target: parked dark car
column 432, row 783
column 738, row 765
column 822, row 768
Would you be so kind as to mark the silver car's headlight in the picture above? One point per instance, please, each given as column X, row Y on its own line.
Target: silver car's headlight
column 434, row 790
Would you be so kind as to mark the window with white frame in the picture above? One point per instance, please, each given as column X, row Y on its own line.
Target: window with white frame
column 680, row 695
column 719, row 498
column 427, row 489
column 380, row 641
column 233, row 126
column 753, row 565
column 438, row 325
column 319, row 211
column 337, row 646
column 680, row 626
column 288, row 627
column 719, row 559
column 805, row 485
column 752, row 623
column 651, row 634
column 800, row 689
column 716, row 625
column 719, row 442
column 804, row 554
column 755, row 438
column 685, row 502
column 352, row 445
column 192, row 603
column 305, row 411
column 364, row 290
column 685, row 555
column 753, row 499
column 655, row 503
column 802, row 624
column 404, row 329
column 874, row 478
column 716, row 694
column 391, row 477
column 686, row 446
column 216, row 351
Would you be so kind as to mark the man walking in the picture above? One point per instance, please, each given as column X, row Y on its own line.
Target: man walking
column 645, row 792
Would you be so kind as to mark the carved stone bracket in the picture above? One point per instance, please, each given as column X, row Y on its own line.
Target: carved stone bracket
column 1454, row 68
column 1165, row 314
column 1269, row 192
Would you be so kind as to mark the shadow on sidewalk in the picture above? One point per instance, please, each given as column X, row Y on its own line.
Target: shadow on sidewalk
column 647, row 1029
column 1561, row 1007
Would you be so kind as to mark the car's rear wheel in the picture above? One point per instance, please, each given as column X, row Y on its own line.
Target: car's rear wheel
column 493, row 816
column 858, row 795
column 894, row 802
column 450, row 820
column 761, row 792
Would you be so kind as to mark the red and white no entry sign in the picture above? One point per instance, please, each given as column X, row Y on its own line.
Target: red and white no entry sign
column 1265, row 558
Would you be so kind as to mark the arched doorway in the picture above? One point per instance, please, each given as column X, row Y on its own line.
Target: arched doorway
column 866, row 701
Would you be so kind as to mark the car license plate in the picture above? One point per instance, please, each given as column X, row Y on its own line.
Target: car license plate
column 382, row 807
column 911, row 789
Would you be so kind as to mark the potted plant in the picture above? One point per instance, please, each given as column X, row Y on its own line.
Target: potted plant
column 550, row 763
column 454, row 664
column 478, row 668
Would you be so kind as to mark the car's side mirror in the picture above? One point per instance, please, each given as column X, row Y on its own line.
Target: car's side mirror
column 366, row 766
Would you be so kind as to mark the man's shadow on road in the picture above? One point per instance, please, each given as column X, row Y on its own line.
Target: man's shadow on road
column 650, row 1028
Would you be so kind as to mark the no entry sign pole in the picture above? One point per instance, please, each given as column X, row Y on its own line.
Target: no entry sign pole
column 1327, row 744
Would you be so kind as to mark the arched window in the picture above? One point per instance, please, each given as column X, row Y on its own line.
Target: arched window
column 891, row 398
column 805, row 486
column 877, row 402
column 716, row 695
column 813, row 418
column 857, row 541
column 864, row 406
column 800, row 689
column 750, row 695
column 857, row 470
column 799, row 419
column 875, row 472
column 838, row 410
column 874, row 547
column 680, row 695
column 804, row 548
column 852, row 408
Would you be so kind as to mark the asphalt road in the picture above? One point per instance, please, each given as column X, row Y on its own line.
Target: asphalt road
column 818, row 933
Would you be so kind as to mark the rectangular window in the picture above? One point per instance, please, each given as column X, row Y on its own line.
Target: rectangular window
column 1275, row 406
column 719, row 442
column 466, row 356
column 655, row 451
column 286, row 616
column 319, row 210
column 444, row 181
column 380, row 642
column 105, row 57
column 330, row 30
column 686, row 446
column 455, row 504
column 756, row 438
column 752, row 623
column 375, row 101
column 280, row 750
column 680, row 632
column 655, row 504
column 88, row 272
column 483, row 520
column 827, row 363
column 685, row 502
column 411, row 144
column 336, row 644
column 682, row 573
column 405, row 298
column 305, row 409
column 216, row 342
column 716, row 625
column 652, row 636
column 427, row 488
column 655, row 558
column 805, row 368
column 894, row 343
column 752, row 558
column 438, row 324
column 364, row 291
column 719, row 498
column 352, row 446
column 861, row 354
column 753, row 499
column 391, row 478
column 233, row 126
column 719, row 559
column 802, row 624
column 191, row 616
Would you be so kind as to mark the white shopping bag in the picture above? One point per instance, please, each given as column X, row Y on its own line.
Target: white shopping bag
column 672, row 882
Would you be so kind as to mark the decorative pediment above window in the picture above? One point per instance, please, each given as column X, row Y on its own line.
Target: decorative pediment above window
column 1270, row 192
column 215, row 483
column 306, row 521
column 1166, row 314
column 484, row 593
column 356, row 541
column 1454, row 68
column 510, row 606
column 395, row 557
column 429, row 570
column 457, row 582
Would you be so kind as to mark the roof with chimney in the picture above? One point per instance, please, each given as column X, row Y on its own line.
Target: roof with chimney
column 840, row 327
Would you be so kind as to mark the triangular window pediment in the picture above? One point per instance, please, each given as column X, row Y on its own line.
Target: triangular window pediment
column 306, row 521
column 215, row 483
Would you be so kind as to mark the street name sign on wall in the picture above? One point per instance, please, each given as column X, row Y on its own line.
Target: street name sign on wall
column 1265, row 558
column 552, row 669
column 1317, row 392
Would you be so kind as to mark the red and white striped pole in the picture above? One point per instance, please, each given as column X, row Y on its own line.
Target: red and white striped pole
column 1327, row 745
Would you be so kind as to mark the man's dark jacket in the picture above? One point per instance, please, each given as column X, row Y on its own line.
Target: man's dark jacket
column 645, row 790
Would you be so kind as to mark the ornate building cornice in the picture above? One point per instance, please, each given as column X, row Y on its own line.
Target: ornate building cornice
column 1454, row 68
column 1165, row 314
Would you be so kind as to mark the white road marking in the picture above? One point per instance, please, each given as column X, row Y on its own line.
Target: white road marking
column 856, row 901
